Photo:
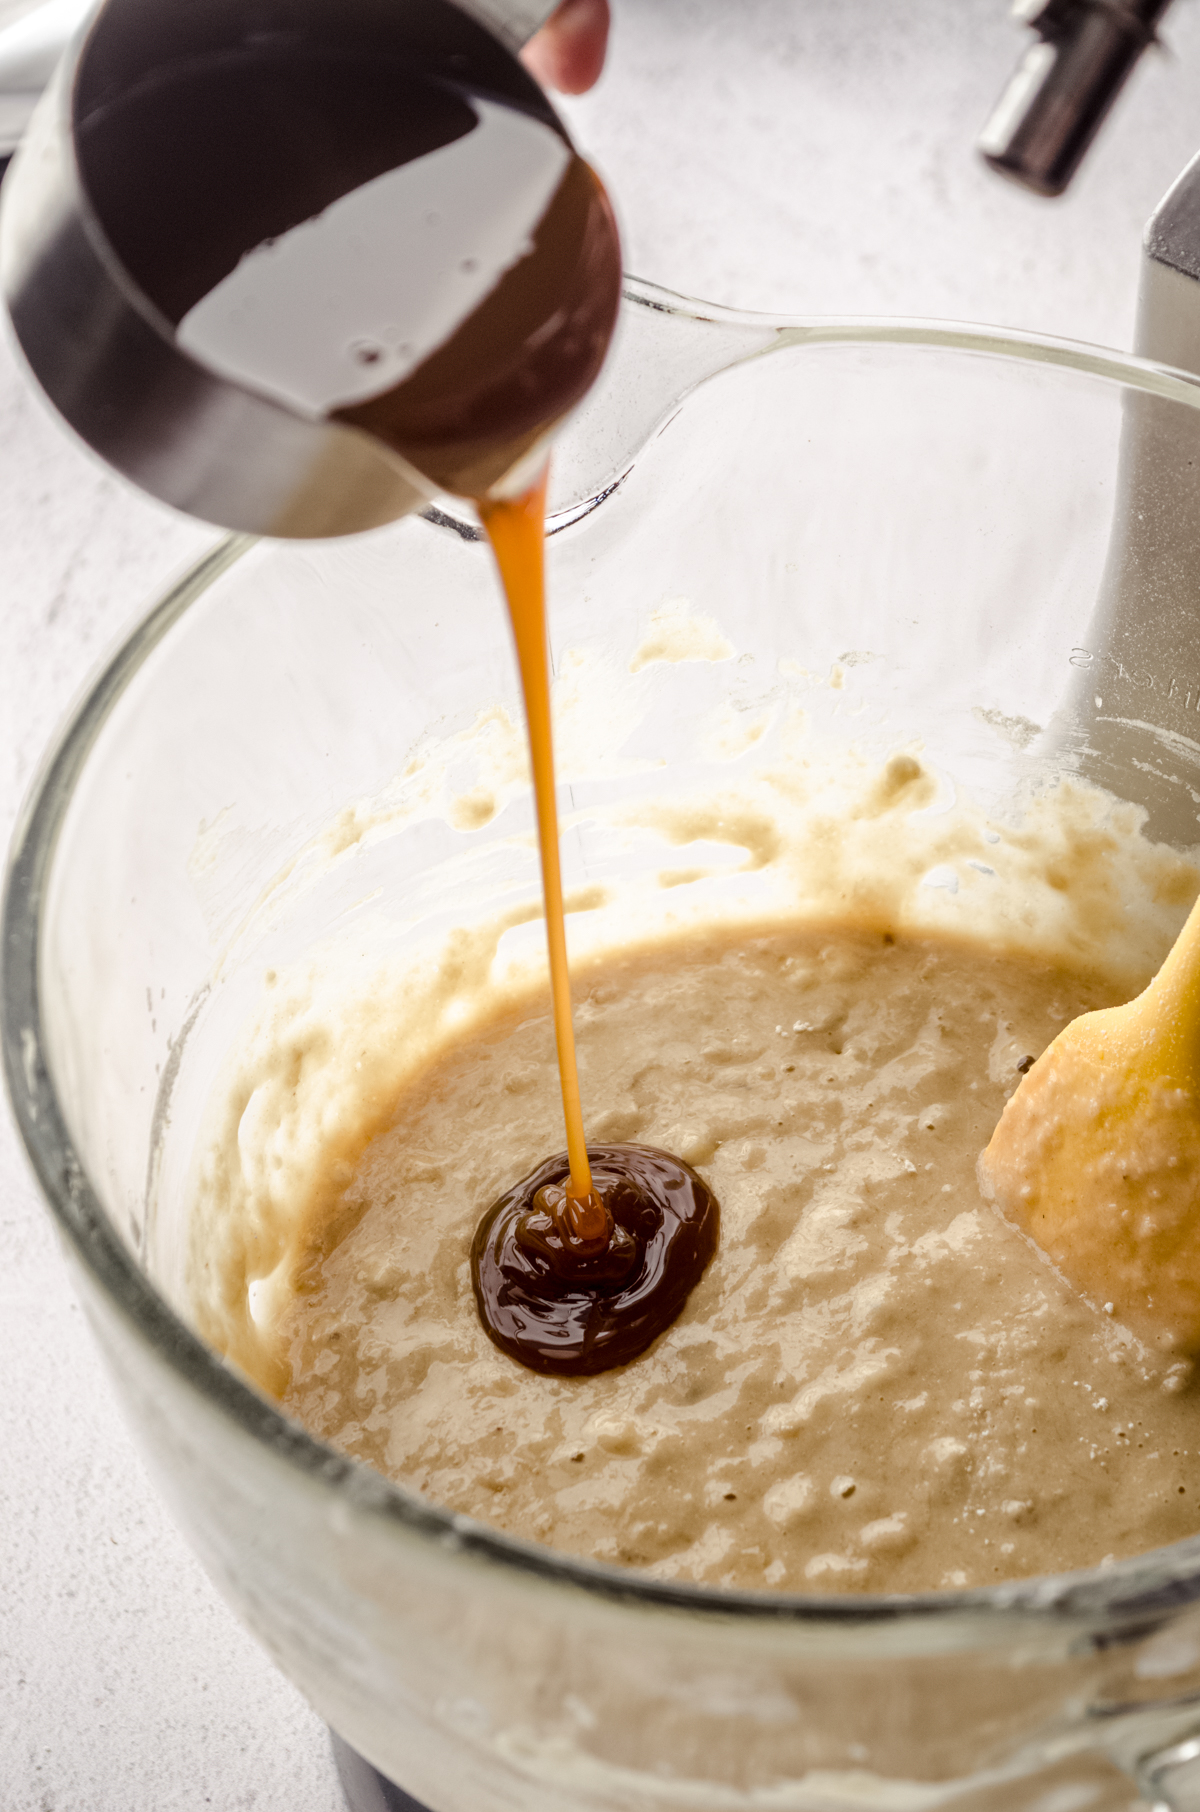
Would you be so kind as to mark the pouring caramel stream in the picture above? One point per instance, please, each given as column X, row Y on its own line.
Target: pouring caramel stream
column 418, row 253
column 569, row 1276
column 516, row 531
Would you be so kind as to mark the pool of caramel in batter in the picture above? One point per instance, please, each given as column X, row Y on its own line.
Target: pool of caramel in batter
column 584, row 1273
column 877, row 1384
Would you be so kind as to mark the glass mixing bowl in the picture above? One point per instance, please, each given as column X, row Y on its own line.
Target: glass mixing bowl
column 988, row 544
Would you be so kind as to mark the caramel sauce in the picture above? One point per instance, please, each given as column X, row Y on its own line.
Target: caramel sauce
column 522, row 360
column 560, row 1302
column 590, row 1257
column 372, row 214
column 516, row 532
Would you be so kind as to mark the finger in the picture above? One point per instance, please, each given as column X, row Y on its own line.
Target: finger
column 568, row 52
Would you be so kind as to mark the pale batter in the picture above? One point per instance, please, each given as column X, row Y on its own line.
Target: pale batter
column 877, row 1385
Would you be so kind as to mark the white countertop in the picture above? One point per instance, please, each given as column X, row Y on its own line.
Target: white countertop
column 809, row 156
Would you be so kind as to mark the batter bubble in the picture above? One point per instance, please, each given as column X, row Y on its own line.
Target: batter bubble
column 579, row 1287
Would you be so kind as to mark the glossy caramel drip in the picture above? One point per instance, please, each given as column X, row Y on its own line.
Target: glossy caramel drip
column 559, row 1303
column 371, row 213
column 517, row 534
column 588, row 1259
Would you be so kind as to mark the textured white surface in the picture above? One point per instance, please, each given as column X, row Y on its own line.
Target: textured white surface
column 812, row 156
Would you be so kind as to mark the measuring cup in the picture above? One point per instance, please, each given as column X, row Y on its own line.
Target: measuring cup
column 227, row 234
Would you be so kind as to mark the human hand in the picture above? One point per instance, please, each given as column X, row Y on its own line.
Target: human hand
column 568, row 52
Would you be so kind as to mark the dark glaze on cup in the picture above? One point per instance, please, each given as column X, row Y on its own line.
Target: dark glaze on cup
column 456, row 310
column 577, row 1299
column 521, row 361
